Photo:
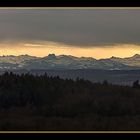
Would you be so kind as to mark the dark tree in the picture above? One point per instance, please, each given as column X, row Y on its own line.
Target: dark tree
column 43, row 102
column 136, row 84
column 105, row 83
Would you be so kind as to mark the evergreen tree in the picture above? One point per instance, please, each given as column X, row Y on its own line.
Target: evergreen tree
column 136, row 84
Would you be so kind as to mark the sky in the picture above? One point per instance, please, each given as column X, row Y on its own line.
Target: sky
column 89, row 32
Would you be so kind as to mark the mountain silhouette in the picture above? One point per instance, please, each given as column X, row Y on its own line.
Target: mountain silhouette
column 68, row 62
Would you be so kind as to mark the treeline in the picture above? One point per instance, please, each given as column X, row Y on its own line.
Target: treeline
column 29, row 102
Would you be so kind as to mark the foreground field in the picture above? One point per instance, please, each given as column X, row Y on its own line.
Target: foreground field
column 29, row 102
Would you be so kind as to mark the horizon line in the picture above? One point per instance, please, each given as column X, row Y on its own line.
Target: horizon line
column 67, row 55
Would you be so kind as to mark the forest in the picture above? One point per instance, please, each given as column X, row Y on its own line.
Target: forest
column 42, row 102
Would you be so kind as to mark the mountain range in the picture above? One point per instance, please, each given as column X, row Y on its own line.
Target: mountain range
column 52, row 61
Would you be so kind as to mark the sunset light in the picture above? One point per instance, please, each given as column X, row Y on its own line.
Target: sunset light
column 45, row 48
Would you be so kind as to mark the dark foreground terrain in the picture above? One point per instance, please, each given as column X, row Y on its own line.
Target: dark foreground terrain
column 42, row 102
column 119, row 77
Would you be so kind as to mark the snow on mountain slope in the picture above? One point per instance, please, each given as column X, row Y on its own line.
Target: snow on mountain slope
column 68, row 62
column 131, row 61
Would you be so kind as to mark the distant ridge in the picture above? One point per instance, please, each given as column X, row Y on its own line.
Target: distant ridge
column 68, row 62
column 63, row 55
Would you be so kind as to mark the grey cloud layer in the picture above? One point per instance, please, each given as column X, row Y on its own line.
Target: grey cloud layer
column 71, row 26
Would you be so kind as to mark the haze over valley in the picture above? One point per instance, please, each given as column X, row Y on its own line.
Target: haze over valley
column 122, row 71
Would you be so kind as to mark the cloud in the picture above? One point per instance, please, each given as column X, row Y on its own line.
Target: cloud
column 79, row 27
column 33, row 45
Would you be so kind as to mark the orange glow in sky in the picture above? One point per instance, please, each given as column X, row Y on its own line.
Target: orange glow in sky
column 45, row 48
